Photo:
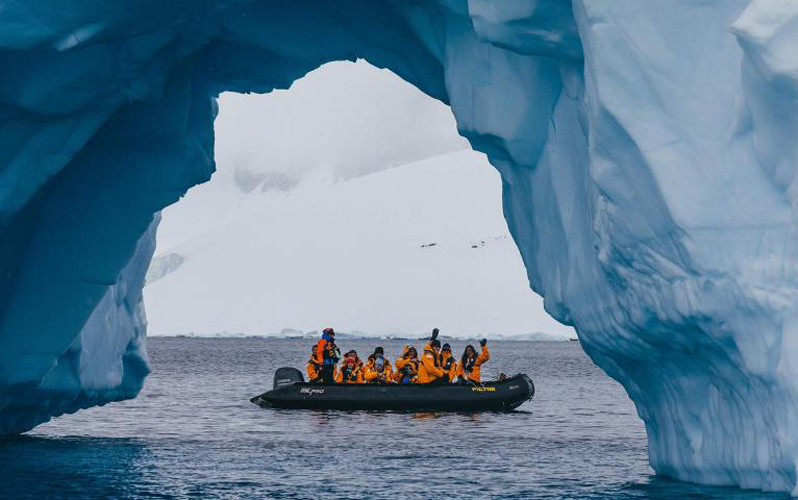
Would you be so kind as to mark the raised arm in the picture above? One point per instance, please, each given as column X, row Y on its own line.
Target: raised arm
column 484, row 356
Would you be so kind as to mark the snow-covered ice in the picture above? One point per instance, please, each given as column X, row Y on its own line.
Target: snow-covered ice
column 647, row 153
column 421, row 254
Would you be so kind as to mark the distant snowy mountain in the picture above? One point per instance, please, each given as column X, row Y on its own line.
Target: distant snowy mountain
column 289, row 333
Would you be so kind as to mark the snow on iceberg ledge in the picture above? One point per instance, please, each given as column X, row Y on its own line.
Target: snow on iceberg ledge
column 647, row 151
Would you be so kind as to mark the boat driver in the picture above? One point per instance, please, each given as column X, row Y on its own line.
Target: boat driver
column 327, row 355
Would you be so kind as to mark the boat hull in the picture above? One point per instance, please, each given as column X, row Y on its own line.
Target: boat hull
column 505, row 395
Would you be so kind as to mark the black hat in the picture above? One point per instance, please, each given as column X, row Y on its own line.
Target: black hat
column 435, row 343
column 379, row 350
column 446, row 347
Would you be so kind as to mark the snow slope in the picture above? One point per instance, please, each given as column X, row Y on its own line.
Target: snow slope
column 355, row 254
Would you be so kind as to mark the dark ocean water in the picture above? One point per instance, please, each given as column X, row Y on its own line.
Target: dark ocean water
column 193, row 433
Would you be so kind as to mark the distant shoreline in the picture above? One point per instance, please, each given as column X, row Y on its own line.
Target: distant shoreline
column 384, row 339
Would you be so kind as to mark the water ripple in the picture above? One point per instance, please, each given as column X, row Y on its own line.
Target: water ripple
column 193, row 434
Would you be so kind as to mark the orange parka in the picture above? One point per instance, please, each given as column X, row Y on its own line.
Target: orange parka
column 429, row 369
column 476, row 368
column 373, row 376
column 448, row 364
column 325, row 347
column 313, row 369
column 370, row 373
column 405, row 361
column 347, row 376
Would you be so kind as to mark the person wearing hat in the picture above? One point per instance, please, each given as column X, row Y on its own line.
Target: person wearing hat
column 353, row 354
column 448, row 363
column 378, row 354
column 352, row 371
column 429, row 368
column 378, row 372
column 327, row 355
column 407, row 366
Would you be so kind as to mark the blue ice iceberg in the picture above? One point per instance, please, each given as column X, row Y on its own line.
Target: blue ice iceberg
column 648, row 153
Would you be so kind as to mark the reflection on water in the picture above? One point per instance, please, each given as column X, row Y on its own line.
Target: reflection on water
column 193, row 434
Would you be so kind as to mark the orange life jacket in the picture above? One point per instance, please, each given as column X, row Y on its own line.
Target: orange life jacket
column 347, row 375
column 406, row 370
column 472, row 367
column 448, row 365
column 429, row 369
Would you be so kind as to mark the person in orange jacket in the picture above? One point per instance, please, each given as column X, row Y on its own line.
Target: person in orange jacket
column 378, row 354
column 428, row 345
column 350, row 372
column 448, row 363
column 429, row 369
column 313, row 367
column 359, row 362
column 378, row 372
column 470, row 366
column 407, row 366
column 327, row 355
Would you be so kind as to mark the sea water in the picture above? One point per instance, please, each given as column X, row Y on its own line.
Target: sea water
column 192, row 433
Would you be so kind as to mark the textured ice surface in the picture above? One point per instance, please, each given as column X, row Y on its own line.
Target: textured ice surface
column 647, row 151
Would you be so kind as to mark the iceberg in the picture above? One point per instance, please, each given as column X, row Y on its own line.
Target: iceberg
column 647, row 153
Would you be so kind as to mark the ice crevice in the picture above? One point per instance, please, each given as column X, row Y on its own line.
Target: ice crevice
column 647, row 151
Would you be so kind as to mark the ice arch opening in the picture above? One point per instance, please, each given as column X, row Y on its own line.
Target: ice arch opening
column 331, row 204
column 647, row 154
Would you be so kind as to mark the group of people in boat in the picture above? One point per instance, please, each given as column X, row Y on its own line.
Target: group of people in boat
column 436, row 364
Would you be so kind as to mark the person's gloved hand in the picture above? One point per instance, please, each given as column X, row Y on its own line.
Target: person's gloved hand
column 435, row 333
column 483, row 342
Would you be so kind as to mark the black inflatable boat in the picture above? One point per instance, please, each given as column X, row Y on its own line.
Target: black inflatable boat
column 291, row 391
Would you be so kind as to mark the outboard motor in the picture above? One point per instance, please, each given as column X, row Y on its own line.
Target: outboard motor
column 287, row 376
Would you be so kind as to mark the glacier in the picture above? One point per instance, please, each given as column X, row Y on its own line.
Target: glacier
column 647, row 153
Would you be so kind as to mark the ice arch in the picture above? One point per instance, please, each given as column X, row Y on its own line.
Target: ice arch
column 647, row 151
